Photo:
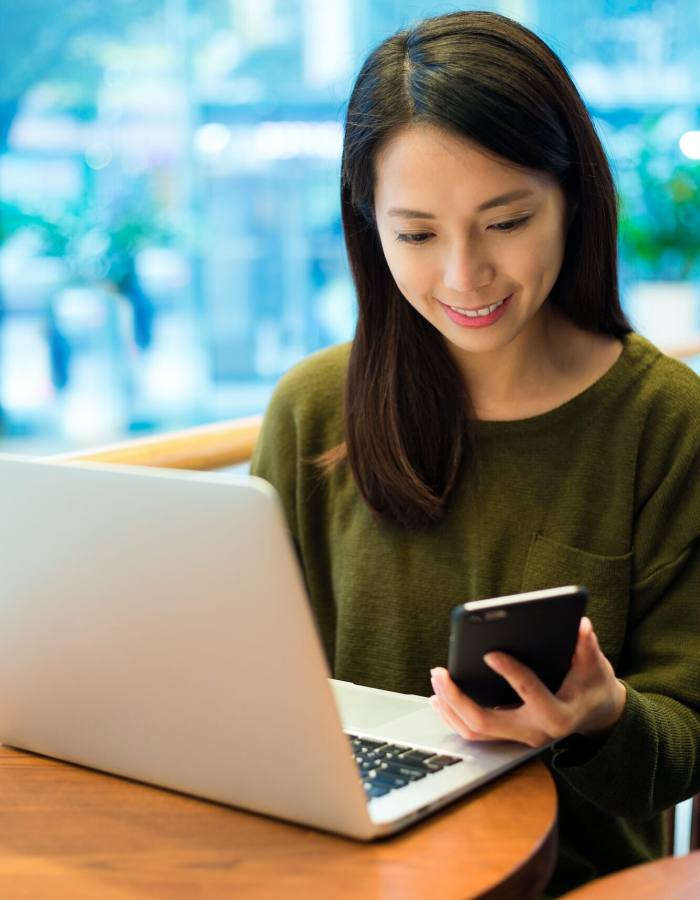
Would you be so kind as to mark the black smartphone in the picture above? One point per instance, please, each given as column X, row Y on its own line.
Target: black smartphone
column 538, row 628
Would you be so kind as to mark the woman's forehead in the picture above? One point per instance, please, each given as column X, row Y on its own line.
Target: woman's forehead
column 430, row 161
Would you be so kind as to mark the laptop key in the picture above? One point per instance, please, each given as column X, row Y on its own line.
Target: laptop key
column 403, row 771
column 376, row 790
column 416, row 755
column 367, row 744
column 395, row 764
column 414, row 764
column 369, row 754
column 444, row 760
column 390, row 779
column 395, row 748
column 378, row 757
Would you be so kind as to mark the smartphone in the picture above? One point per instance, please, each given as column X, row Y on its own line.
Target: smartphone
column 538, row 628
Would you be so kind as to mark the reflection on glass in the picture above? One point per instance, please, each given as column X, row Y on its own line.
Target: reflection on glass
column 170, row 238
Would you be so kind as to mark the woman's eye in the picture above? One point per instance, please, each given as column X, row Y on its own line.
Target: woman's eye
column 511, row 225
column 413, row 238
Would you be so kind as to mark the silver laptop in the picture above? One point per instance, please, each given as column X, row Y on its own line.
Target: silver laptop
column 154, row 624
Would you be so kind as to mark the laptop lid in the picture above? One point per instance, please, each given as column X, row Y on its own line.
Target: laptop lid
column 154, row 624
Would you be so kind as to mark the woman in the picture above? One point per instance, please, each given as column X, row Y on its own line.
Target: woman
column 496, row 426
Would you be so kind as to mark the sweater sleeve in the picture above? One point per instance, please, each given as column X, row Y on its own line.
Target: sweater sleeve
column 274, row 456
column 303, row 419
column 651, row 758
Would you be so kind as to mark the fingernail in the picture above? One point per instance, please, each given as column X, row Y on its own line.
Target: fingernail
column 432, row 672
column 491, row 661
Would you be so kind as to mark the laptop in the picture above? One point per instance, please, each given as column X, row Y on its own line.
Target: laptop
column 154, row 624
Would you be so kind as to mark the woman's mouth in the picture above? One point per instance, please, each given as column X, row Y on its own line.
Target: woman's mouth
column 478, row 317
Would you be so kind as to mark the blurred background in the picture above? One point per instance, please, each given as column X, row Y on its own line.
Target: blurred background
column 170, row 236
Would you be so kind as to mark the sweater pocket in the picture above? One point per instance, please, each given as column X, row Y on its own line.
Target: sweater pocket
column 607, row 578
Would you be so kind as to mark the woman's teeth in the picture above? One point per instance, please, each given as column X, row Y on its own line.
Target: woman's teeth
column 484, row 311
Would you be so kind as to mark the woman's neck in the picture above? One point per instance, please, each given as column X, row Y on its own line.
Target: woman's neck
column 546, row 365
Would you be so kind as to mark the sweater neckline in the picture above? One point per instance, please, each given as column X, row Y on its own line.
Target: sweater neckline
column 632, row 346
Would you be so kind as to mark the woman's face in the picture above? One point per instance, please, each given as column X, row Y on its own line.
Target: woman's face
column 474, row 245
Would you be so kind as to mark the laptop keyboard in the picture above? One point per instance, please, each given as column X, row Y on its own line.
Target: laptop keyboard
column 387, row 767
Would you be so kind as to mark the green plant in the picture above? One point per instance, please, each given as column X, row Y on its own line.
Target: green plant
column 98, row 242
column 13, row 218
column 660, row 219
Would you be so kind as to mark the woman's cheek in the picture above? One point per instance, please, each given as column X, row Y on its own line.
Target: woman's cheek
column 404, row 275
column 416, row 278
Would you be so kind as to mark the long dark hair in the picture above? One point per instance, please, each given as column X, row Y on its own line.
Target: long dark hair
column 487, row 78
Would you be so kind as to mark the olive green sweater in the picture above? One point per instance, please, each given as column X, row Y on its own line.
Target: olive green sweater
column 603, row 491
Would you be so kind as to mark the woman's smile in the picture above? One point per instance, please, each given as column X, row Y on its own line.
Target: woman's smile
column 481, row 317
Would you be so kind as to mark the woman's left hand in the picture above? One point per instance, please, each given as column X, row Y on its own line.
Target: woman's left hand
column 589, row 702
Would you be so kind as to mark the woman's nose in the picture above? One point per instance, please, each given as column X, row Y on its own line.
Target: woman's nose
column 466, row 269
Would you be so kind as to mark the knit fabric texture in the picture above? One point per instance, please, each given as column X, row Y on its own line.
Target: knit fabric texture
column 602, row 491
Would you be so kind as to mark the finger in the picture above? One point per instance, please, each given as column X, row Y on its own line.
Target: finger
column 588, row 657
column 587, row 637
column 521, row 678
column 455, row 723
column 590, row 670
column 508, row 728
column 447, row 716
column 491, row 724
column 494, row 724
column 581, row 637
column 475, row 717
column 542, row 710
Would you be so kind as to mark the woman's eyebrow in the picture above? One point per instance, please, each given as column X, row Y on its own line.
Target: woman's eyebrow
column 504, row 199
column 409, row 213
column 501, row 200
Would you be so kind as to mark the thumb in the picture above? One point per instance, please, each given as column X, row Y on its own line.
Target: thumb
column 587, row 643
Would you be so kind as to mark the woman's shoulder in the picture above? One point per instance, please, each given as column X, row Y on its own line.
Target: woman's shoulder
column 304, row 417
column 659, row 381
column 662, row 406
column 311, row 391
column 321, row 372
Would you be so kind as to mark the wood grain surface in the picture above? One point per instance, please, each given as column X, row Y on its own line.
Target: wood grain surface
column 69, row 832
column 672, row 878
column 203, row 447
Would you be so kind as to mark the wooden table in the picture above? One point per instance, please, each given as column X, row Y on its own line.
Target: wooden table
column 69, row 832
column 673, row 878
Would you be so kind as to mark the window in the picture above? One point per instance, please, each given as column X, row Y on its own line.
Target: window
column 170, row 237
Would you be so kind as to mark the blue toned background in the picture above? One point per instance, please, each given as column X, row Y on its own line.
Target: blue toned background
column 170, row 237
